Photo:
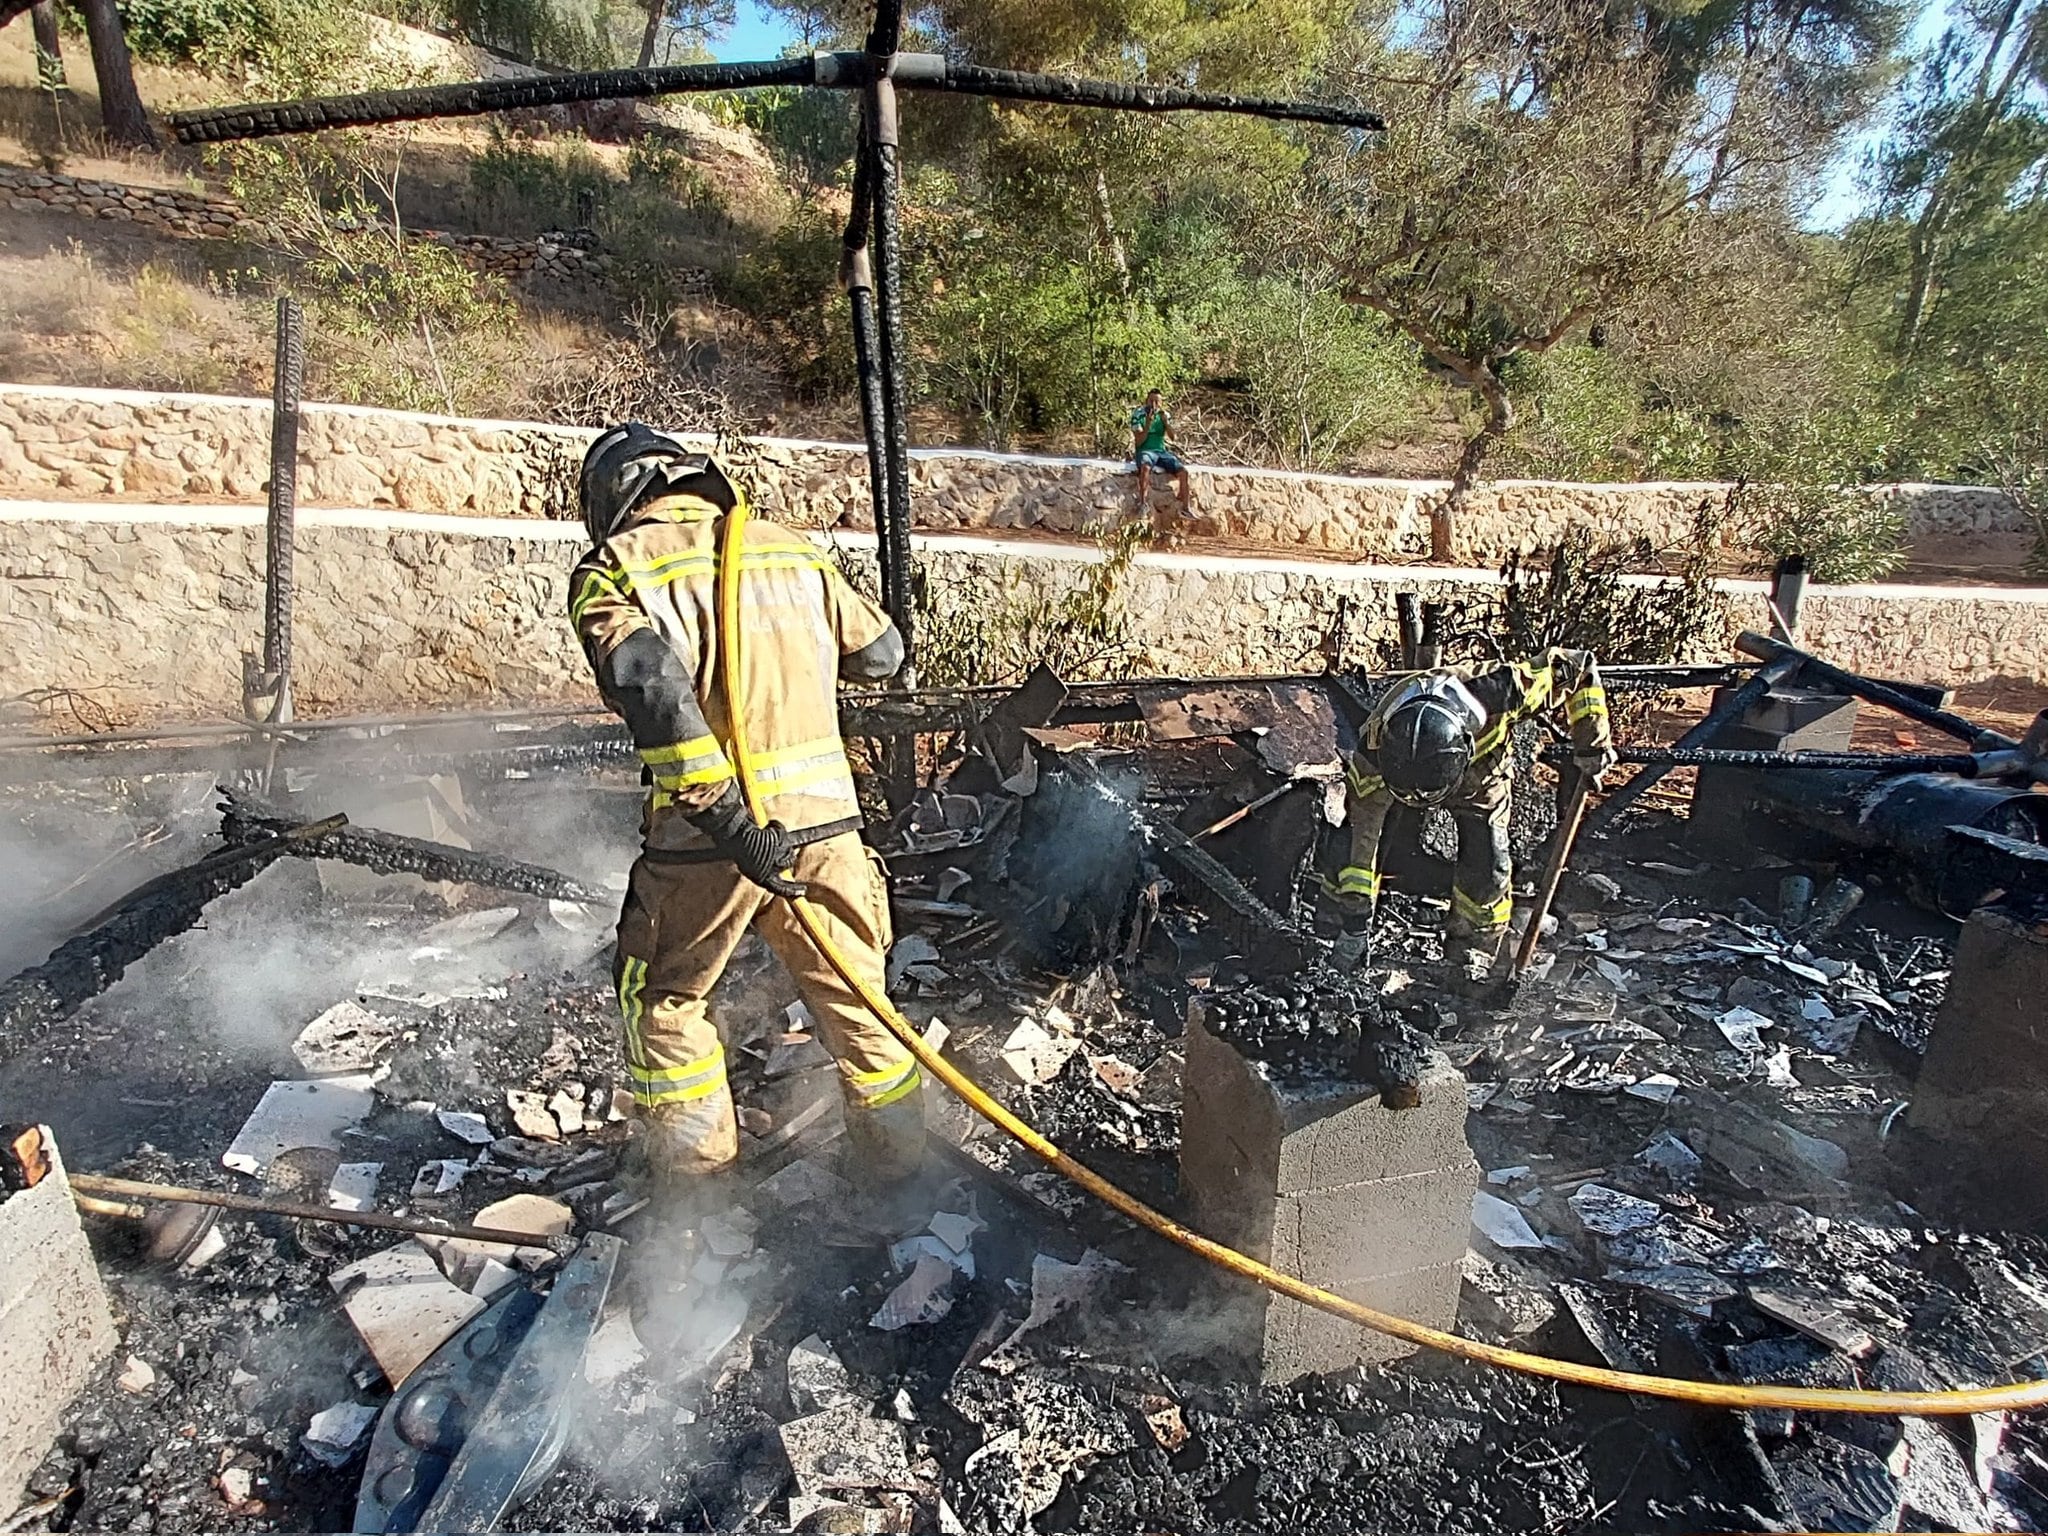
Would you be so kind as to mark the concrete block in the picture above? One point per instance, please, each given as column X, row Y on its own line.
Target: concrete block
column 1321, row 1135
column 1979, row 1117
column 1785, row 720
column 1300, row 1339
column 55, row 1326
column 1380, row 1227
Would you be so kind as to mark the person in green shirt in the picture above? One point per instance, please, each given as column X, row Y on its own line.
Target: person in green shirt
column 1149, row 423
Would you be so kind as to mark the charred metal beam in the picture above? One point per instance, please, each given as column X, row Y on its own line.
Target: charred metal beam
column 387, row 853
column 1739, row 703
column 1886, row 695
column 839, row 71
column 1960, row 763
column 88, row 963
column 1270, row 942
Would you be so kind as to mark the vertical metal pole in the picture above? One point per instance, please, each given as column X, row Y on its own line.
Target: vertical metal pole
column 1788, row 588
column 888, row 275
column 1429, row 652
column 857, row 277
column 1408, row 615
column 286, row 385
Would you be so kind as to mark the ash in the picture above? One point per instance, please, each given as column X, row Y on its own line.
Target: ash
column 1672, row 1181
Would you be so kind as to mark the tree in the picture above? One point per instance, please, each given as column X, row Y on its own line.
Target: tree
column 694, row 19
column 1968, row 139
column 1555, row 164
column 49, row 49
column 121, row 110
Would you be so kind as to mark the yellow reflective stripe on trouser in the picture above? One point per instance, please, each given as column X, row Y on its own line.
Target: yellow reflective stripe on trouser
column 1480, row 913
column 632, row 1004
column 1586, row 704
column 700, row 760
column 1354, row 881
column 1363, row 784
column 885, row 1085
column 697, row 1079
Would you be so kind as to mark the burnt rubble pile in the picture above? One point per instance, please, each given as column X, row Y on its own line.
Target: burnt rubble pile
column 1685, row 1130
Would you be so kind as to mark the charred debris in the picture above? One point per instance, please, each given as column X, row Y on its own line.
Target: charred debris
column 371, row 976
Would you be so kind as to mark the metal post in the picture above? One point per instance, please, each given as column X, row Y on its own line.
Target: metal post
column 1429, row 652
column 286, row 386
column 894, row 537
column 1408, row 615
column 1788, row 587
column 857, row 277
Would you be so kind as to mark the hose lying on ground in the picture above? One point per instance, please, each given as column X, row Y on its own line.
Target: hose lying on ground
column 2018, row 1395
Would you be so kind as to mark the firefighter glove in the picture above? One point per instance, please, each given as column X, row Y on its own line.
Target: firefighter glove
column 762, row 853
column 1593, row 762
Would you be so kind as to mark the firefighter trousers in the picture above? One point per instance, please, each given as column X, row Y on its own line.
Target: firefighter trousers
column 679, row 926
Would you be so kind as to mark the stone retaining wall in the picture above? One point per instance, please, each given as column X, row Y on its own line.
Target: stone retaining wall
column 149, row 609
column 561, row 258
column 137, row 444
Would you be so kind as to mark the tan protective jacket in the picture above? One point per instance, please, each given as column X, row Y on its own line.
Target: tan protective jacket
column 660, row 572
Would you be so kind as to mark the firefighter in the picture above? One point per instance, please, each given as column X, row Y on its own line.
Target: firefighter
column 1442, row 738
column 643, row 601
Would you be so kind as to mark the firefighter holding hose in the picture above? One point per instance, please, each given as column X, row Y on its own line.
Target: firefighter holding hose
column 1442, row 739
column 644, row 603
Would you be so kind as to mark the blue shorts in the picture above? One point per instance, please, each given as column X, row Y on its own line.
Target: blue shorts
column 1161, row 459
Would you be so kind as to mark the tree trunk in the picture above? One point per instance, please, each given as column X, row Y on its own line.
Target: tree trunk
column 121, row 111
column 1500, row 418
column 655, row 11
column 49, row 48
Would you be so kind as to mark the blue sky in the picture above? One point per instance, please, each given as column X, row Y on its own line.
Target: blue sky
column 756, row 33
column 759, row 32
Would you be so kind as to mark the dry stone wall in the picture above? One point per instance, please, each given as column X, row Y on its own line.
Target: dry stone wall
column 149, row 609
column 562, row 258
column 141, row 445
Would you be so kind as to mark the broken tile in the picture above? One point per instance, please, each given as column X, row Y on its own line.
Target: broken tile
column 911, row 1250
column 334, row 1433
column 354, row 1186
column 530, row 1115
column 1034, row 1054
column 302, row 1114
column 439, row 1177
column 614, row 1349
column 467, row 1126
column 1811, row 1315
column 1671, row 1157
column 955, row 1230
column 137, row 1376
column 567, row 1109
column 913, row 949
column 840, row 1449
column 1686, row 1287
column 818, row 1379
column 346, row 1038
column 1741, row 1028
column 402, row 1306
column 1609, row 1212
column 1658, row 1088
column 1502, row 1224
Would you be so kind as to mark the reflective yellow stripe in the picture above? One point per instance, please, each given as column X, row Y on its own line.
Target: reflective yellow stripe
column 817, row 746
column 1585, row 704
column 692, row 1080
column 669, row 569
column 1477, row 912
column 596, row 585
column 907, row 1087
column 632, row 987
column 1363, row 784
column 885, row 1085
column 1489, row 743
column 700, row 760
column 824, row 773
column 1354, row 881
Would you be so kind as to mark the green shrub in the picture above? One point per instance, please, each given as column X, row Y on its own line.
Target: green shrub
column 1803, row 490
column 1325, row 376
column 517, row 183
column 1579, row 416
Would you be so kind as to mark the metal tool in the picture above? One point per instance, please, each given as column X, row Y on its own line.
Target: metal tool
column 93, row 1184
column 1553, row 873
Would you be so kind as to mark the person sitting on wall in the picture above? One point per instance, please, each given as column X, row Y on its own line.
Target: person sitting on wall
column 1149, row 423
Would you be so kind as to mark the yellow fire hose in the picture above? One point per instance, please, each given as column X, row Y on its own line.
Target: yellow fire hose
column 2019, row 1395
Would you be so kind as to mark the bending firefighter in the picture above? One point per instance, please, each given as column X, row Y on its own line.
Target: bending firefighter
column 644, row 604
column 1442, row 739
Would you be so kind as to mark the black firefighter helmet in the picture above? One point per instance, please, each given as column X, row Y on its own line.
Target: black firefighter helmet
column 632, row 463
column 1425, row 747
